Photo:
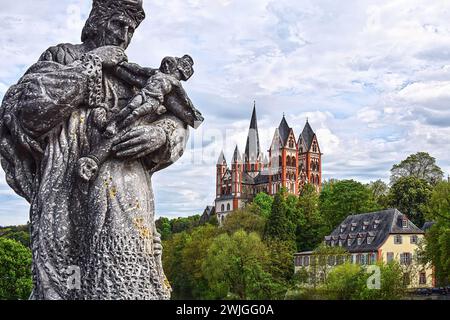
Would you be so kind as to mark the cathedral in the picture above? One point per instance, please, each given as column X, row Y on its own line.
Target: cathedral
column 289, row 164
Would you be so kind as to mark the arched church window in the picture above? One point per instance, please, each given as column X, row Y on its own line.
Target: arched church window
column 222, row 207
column 288, row 161
column 291, row 143
column 228, row 207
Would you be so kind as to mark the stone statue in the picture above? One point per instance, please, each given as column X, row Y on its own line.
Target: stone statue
column 80, row 136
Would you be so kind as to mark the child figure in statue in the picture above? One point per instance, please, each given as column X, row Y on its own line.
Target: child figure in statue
column 149, row 102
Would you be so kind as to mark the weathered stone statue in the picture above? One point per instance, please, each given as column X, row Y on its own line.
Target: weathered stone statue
column 80, row 136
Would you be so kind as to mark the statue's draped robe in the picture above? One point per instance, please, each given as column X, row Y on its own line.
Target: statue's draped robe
column 89, row 240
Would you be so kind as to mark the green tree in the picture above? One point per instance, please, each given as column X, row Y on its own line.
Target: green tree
column 436, row 248
column 15, row 270
column 342, row 198
column 279, row 225
column 392, row 286
column 380, row 192
column 281, row 265
column 345, row 282
column 264, row 203
column 236, row 267
column 184, row 224
column 421, row 166
column 164, row 228
column 309, row 225
column 349, row 282
column 245, row 219
column 180, row 280
column 193, row 255
column 410, row 195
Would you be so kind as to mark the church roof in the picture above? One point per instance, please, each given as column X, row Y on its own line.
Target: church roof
column 221, row 159
column 373, row 228
column 284, row 130
column 262, row 178
column 237, row 155
column 252, row 147
column 307, row 135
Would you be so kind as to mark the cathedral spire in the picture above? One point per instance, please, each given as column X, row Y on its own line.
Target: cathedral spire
column 221, row 160
column 252, row 147
column 237, row 155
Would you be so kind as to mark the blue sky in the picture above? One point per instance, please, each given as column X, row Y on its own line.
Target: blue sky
column 373, row 77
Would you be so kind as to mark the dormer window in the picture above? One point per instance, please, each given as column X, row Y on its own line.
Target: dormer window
column 405, row 223
column 370, row 239
column 353, row 226
column 365, row 225
column 343, row 227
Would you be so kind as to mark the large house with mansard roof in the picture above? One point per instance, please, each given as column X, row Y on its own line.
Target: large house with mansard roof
column 386, row 236
column 290, row 163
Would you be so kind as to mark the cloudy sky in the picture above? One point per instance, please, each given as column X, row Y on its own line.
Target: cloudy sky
column 373, row 77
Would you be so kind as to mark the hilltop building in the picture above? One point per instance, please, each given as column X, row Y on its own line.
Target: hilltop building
column 290, row 164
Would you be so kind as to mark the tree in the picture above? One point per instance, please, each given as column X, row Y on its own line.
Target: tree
column 421, row 166
column 349, row 282
column 184, row 224
column 15, row 270
column 345, row 282
column 264, row 203
column 309, row 225
column 410, row 195
column 392, row 285
column 278, row 225
column 236, row 267
column 193, row 255
column 436, row 248
column 380, row 191
column 245, row 219
column 164, row 228
column 342, row 198
column 179, row 279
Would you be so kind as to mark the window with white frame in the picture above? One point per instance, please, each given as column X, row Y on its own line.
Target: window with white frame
column 405, row 258
column 413, row 239
column 397, row 239
column 405, row 223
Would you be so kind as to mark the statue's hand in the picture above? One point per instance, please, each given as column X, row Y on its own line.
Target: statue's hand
column 140, row 142
column 111, row 56
column 135, row 110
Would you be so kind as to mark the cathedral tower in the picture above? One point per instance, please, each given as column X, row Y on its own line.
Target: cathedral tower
column 310, row 158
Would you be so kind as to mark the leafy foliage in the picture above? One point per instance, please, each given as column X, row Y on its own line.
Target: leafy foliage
column 410, row 195
column 245, row 219
column 236, row 267
column 436, row 248
column 310, row 227
column 279, row 225
column 421, row 166
column 342, row 198
column 264, row 202
column 15, row 270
